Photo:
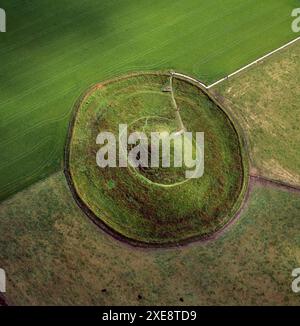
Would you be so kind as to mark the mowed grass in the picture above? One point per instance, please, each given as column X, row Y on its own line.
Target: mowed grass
column 54, row 255
column 53, row 50
column 266, row 101
column 157, row 205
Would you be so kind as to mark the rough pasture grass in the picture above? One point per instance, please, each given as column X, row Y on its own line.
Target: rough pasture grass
column 53, row 50
column 266, row 101
column 54, row 249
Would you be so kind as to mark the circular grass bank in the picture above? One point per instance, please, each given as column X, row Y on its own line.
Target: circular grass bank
column 155, row 206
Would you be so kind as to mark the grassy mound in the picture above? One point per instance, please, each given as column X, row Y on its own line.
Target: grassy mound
column 155, row 205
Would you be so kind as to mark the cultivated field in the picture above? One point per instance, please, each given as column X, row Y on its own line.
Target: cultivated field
column 53, row 50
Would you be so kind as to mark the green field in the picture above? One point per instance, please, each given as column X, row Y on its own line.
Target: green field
column 157, row 205
column 55, row 50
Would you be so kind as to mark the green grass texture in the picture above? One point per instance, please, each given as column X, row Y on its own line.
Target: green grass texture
column 53, row 50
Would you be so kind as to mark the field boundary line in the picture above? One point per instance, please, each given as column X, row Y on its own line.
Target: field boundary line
column 254, row 62
column 239, row 70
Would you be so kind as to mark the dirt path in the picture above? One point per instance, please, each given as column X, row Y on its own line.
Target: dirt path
column 181, row 127
column 267, row 182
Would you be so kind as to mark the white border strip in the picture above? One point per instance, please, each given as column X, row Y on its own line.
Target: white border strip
column 239, row 70
column 190, row 78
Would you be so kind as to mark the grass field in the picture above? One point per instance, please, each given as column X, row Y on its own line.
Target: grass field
column 53, row 50
column 266, row 101
column 53, row 255
column 157, row 205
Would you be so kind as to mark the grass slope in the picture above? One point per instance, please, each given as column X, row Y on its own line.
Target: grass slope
column 157, row 205
column 266, row 101
column 54, row 49
column 53, row 255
